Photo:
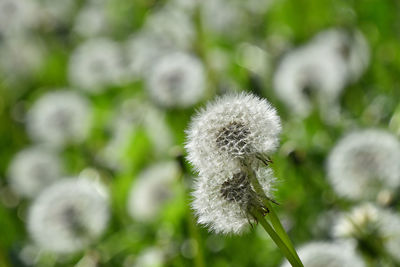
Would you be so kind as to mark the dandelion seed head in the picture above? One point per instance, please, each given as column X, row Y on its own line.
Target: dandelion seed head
column 59, row 117
column 96, row 65
column 325, row 254
column 380, row 225
column 222, row 199
column 177, row 80
column 363, row 163
column 33, row 169
column 69, row 215
column 152, row 189
column 17, row 16
column 232, row 127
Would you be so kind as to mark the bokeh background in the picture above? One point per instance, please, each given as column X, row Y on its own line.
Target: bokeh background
column 102, row 91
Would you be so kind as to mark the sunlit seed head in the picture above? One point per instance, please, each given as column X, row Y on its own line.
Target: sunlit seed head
column 364, row 163
column 370, row 222
column 232, row 127
column 152, row 190
column 59, row 117
column 335, row 254
column 223, row 200
column 177, row 80
column 33, row 169
column 96, row 65
column 69, row 215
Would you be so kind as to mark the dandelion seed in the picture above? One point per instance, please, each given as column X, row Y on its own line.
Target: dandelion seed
column 96, row 65
column 369, row 222
column 223, row 200
column 177, row 80
column 337, row 254
column 33, row 169
column 69, row 215
column 152, row 189
column 235, row 127
column 59, row 117
column 92, row 20
column 364, row 163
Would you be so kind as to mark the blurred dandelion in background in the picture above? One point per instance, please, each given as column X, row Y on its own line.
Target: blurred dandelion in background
column 59, row 117
column 69, row 215
column 332, row 254
column 364, row 164
column 33, row 169
column 152, row 189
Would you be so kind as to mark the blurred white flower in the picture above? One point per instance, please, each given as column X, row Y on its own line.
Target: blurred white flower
column 57, row 11
column 33, row 169
column 223, row 200
column 151, row 190
column 364, row 163
column 59, row 117
column 253, row 58
column 222, row 17
column 150, row 257
column 233, row 127
column 367, row 221
column 326, row 254
column 92, row 20
column 20, row 58
column 69, row 215
column 173, row 26
column 317, row 72
column 17, row 16
column 177, row 80
column 134, row 114
column 96, row 64
column 142, row 50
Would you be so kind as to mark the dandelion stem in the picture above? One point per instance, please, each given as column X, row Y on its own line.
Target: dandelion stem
column 276, row 223
column 277, row 239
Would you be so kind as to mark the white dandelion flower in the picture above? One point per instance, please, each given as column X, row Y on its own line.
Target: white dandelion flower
column 56, row 12
column 223, row 200
column 151, row 190
column 96, row 65
column 329, row 254
column 177, row 80
column 17, row 16
column 33, row 169
column 381, row 226
column 173, row 26
column 364, row 163
column 143, row 49
column 92, row 20
column 59, row 117
column 318, row 72
column 69, row 215
column 233, row 127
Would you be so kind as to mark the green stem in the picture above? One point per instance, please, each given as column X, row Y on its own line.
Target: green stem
column 276, row 223
column 276, row 238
